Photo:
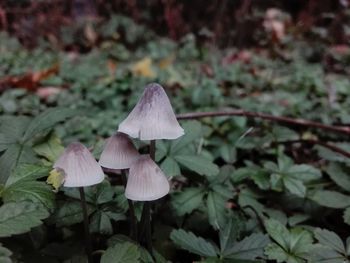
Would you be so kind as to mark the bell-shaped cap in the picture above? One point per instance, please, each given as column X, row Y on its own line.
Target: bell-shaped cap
column 146, row 181
column 119, row 152
column 153, row 117
column 79, row 166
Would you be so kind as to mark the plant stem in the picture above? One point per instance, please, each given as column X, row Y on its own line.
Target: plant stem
column 86, row 225
column 249, row 114
column 133, row 221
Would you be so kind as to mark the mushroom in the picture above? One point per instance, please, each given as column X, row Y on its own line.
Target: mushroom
column 80, row 169
column 146, row 181
column 153, row 117
column 119, row 152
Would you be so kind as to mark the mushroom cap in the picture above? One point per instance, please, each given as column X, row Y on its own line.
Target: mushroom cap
column 153, row 117
column 146, row 181
column 79, row 166
column 119, row 152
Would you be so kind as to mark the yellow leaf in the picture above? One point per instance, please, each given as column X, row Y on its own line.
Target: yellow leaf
column 56, row 179
column 144, row 68
column 167, row 61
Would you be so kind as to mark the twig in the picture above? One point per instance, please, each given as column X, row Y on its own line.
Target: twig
column 299, row 122
column 324, row 144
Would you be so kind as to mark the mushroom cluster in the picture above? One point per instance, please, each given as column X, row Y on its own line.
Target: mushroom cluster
column 151, row 119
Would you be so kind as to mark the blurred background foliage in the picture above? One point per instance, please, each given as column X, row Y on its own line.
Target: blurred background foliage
column 242, row 184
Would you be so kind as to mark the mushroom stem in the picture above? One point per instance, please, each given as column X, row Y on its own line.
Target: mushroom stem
column 152, row 149
column 133, row 222
column 86, row 225
column 146, row 212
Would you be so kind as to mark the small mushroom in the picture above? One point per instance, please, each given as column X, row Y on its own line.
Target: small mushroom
column 146, row 181
column 119, row 152
column 153, row 117
column 79, row 167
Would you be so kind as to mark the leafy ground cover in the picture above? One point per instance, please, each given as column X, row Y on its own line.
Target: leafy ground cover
column 242, row 189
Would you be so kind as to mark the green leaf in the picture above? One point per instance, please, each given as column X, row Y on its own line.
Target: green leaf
column 69, row 213
column 22, row 185
column 278, row 232
column 337, row 174
column 330, row 199
column 294, row 186
column 275, row 252
column 193, row 130
column 13, row 157
column 121, row 253
column 346, row 215
column 13, row 128
column 330, row 240
column 5, row 142
column 47, row 120
column 216, row 210
column 33, row 191
column 320, row 253
column 51, row 149
column 192, row 243
column 5, row 255
column 170, row 167
column 249, row 248
column 228, row 236
column 198, row 164
column 27, row 172
column 101, row 223
column 18, row 218
column 188, row 200
column 304, row 172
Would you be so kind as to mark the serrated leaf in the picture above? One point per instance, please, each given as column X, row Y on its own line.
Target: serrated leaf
column 330, row 199
column 278, row 232
column 69, row 213
column 27, row 172
column 51, row 149
column 14, row 156
column 295, row 186
column 249, row 248
column 198, row 164
column 46, row 120
column 330, row 239
column 18, row 218
column 193, row 130
column 187, row 200
column 192, row 243
column 101, row 223
column 275, row 252
column 170, row 167
column 5, row 255
column 337, row 174
column 216, row 210
column 121, row 253
column 26, row 190
column 346, row 215
column 320, row 253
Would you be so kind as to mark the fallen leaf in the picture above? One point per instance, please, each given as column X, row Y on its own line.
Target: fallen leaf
column 144, row 68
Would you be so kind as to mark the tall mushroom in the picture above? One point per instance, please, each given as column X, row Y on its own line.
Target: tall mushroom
column 151, row 119
column 80, row 169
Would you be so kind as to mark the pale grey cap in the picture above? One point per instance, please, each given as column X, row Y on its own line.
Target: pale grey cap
column 119, row 152
column 146, row 181
column 153, row 117
column 79, row 166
